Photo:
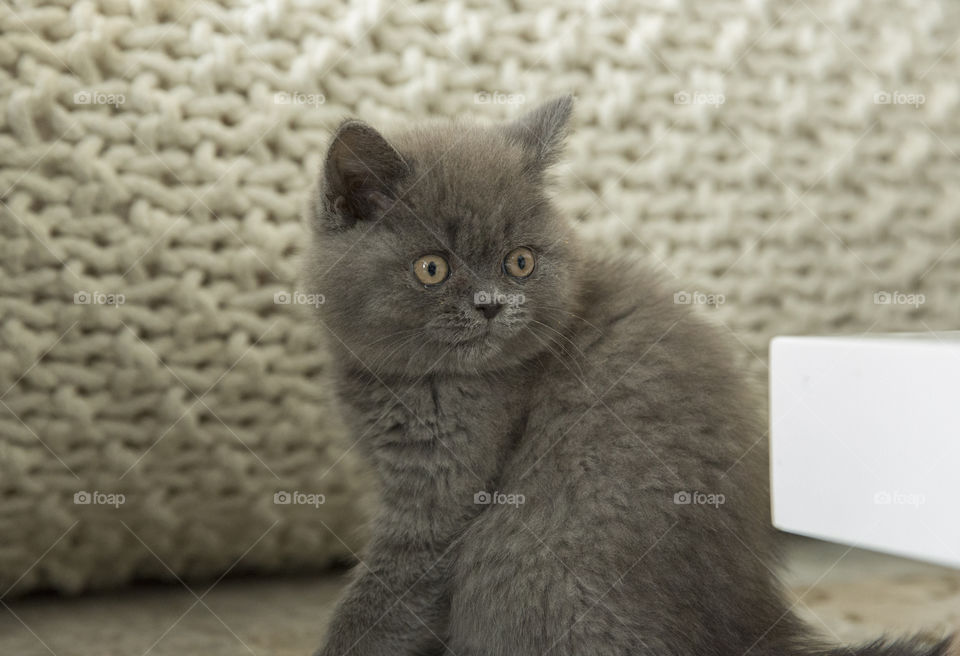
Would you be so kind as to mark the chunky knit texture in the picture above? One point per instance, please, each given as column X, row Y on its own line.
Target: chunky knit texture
column 793, row 163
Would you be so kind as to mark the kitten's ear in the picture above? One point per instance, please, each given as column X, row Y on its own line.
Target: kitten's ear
column 360, row 175
column 541, row 131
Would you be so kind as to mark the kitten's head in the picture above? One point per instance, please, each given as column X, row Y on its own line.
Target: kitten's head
column 438, row 249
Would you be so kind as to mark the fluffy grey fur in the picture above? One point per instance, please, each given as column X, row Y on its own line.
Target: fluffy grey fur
column 596, row 401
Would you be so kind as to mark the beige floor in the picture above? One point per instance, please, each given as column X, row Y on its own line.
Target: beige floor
column 854, row 595
column 851, row 595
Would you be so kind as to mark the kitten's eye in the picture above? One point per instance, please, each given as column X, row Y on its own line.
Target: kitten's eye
column 431, row 269
column 519, row 262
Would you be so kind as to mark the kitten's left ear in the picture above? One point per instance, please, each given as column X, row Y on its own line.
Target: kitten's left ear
column 360, row 174
column 541, row 131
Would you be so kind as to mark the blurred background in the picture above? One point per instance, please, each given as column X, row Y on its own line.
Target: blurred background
column 170, row 455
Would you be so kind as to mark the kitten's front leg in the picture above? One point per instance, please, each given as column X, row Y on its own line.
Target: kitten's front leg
column 397, row 605
column 431, row 464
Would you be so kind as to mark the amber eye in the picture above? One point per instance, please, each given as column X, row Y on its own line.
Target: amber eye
column 519, row 262
column 431, row 269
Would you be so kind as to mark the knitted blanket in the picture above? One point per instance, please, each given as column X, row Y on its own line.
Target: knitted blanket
column 164, row 410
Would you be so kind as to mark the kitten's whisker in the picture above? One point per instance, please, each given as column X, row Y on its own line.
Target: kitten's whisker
column 562, row 336
column 399, row 332
column 376, row 368
column 547, row 344
column 401, row 343
column 414, row 354
column 556, row 308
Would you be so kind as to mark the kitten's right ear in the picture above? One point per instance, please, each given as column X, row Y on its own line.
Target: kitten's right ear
column 542, row 130
column 360, row 175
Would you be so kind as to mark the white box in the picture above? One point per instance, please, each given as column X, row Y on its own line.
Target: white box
column 865, row 441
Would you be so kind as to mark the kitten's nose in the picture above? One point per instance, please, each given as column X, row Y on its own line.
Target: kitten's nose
column 489, row 310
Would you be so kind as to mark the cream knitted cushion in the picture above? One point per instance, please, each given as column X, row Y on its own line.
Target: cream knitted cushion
column 790, row 160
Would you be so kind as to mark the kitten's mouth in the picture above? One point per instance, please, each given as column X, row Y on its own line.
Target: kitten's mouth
column 479, row 340
column 475, row 346
column 467, row 339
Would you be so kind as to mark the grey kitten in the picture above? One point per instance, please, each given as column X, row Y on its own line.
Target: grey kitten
column 563, row 453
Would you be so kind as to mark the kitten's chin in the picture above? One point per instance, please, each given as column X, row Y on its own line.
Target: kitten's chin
column 465, row 354
column 478, row 356
column 487, row 349
column 491, row 352
column 465, row 340
column 474, row 349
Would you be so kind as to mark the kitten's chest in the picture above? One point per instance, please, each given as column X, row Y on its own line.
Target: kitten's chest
column 433, row 415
